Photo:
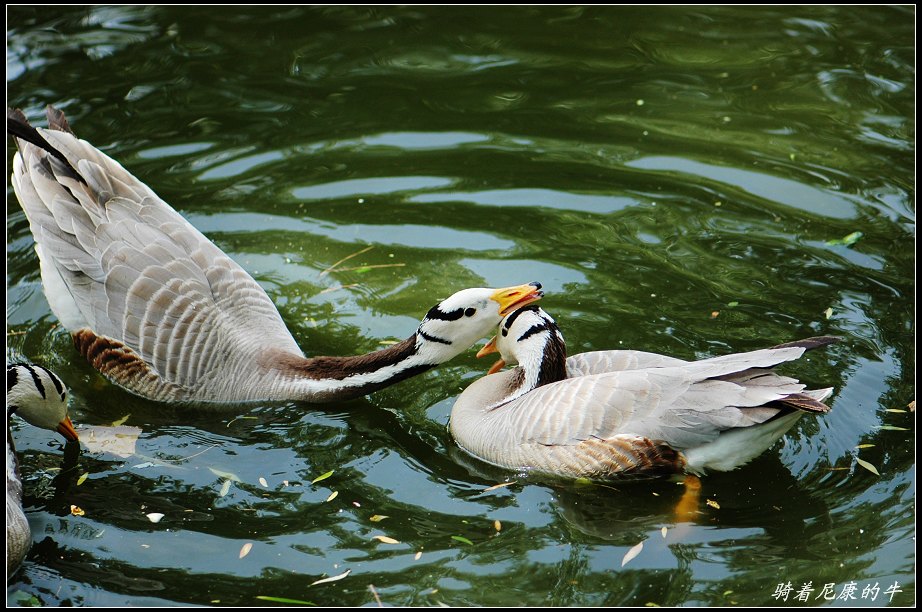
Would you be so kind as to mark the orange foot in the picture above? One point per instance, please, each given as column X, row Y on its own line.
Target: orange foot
column 687, row 508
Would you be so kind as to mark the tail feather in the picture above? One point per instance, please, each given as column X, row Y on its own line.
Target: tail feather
column 19, row 127
column 810, row 343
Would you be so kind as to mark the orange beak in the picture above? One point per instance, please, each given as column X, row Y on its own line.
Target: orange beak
column 513, row 298
column 490, row 347
column 66, row 429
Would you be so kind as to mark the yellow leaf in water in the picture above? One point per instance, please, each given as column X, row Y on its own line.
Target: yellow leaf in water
column 322, row 477
column 77, row 511
column 245, row 550
column 385, row 539
column 497, row 525
column 331, row 578
column 82, row 478
column 499, row 486
column 333, row 495
column 121, row 421
column 867, row 466
column 635, row 550
column 713, row 504
column 828, row 312
column 378, row 517
column 865, row 446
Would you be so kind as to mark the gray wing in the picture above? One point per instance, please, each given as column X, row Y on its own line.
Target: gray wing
column 682, row 405
column 123, row 263
column 599, row 362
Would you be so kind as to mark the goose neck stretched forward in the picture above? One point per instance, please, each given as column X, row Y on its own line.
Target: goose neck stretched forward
column 160, row 310
column 609, row 414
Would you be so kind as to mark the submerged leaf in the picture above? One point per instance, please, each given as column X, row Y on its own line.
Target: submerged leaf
column 119, row 441
column 331, row 578
column 333, row 495
column 375, row 518
column 82, row 478
column 499, row 486
column 462, row 539
column 847, row 240
column 225, row 488
column 225, row 475
column 633, row 552
column 713, row 504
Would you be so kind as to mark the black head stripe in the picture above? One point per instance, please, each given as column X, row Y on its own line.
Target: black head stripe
column 36, row 380
column 436, row 313
column 515, row 315
column 58, row 385
column 534, row 329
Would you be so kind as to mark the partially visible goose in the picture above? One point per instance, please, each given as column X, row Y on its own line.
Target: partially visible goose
column 38, row 396
column 616, row 413
column 160, row 310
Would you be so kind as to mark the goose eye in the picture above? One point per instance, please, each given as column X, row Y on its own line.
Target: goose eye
column 470, row 312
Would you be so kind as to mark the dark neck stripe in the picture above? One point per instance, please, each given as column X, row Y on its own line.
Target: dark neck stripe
column 12, row 376
column 534, row 329
column 432, row 338
column 58, row 385
column 515, row 315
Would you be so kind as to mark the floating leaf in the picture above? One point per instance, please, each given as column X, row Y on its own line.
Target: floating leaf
column 284, row 600
column 864, row 446
column 499, row 486
column 331, row 578
column 633, row 552
column 892, row 428
column 376, row 518
column 119, row 441
column 715, row 314
column 322, row 477
column 897, row 410
column 713, row 504
column 245, row 550
column 462, row 539
column 663, row 531
column 828, row 312
column 333, row 495
column 497, row 525
column 733, row 304
column 263, row 482
column 225, row 488
column 154, row 517
column 385, row 539
column 77, row 511
column 846, row 241
column 82, row 478
column 419, row 554
column 223, row 474
column 867, row 466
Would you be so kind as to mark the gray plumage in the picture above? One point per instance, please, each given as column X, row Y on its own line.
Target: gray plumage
column 623, row 412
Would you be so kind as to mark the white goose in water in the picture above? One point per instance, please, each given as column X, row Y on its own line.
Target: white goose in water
column 160, row 310
column 606, row 414
column 38, row 396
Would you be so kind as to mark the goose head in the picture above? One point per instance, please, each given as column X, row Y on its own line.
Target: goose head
column 530, row 337
column 38, row 396
column 458, row 322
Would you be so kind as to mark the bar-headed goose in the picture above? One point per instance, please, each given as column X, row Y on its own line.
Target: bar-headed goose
column 617, row 413
column 38, row 396
column 162, row 311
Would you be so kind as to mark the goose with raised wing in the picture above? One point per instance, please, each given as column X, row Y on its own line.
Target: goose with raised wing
column 38, row 396
column 160, row 310
column 607, row 414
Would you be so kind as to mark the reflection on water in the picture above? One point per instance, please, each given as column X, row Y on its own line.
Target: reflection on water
column 680, row 180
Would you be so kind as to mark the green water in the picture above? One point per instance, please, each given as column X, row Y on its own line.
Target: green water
column 677, row 178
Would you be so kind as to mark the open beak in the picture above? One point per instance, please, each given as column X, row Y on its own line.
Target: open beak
column 488, row 348
column 513, row 298
column 66, row 429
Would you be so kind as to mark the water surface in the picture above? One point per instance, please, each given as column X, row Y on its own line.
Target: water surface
column 680, row 179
